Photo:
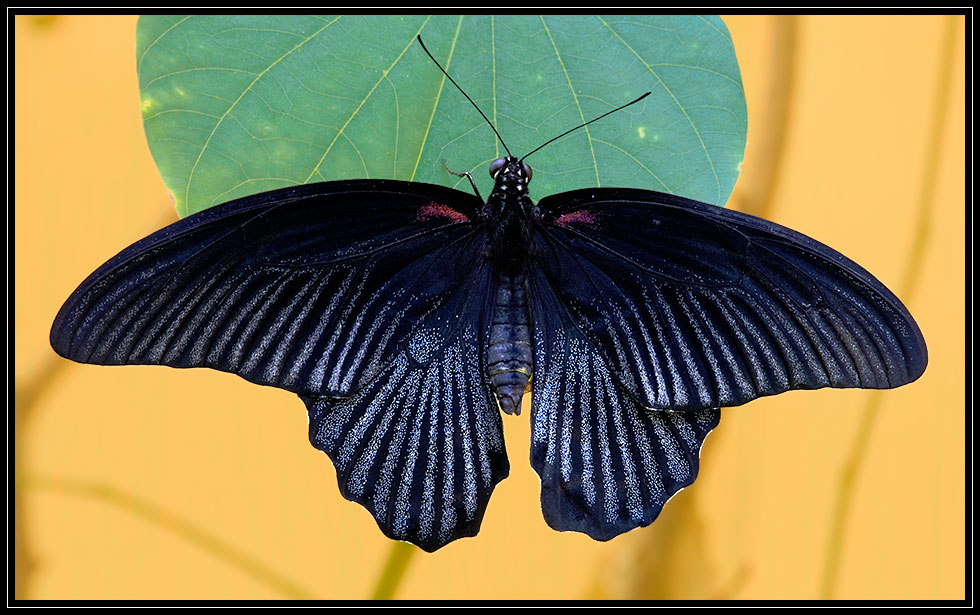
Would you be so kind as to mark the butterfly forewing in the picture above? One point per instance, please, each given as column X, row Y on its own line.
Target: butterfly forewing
column 421, row 447
column 310, row 289
column 694, row 306
column 607, row 464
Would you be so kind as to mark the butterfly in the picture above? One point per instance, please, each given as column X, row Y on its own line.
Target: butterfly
column 408, row 317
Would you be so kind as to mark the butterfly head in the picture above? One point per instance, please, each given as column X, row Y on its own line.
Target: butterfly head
column 510, row 171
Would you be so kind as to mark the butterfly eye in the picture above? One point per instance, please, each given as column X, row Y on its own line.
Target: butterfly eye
column 496, row 165
column 527, row 171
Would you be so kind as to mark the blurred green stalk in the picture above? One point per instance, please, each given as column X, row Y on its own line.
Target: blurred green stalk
column 910, row 278
column 394, row 569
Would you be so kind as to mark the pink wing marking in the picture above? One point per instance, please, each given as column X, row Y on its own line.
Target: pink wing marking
column 435, row 210
column 577, row 217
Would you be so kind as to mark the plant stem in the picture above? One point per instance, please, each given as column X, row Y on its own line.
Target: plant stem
column 909, row 282
column 767, row 165
column 391, row 574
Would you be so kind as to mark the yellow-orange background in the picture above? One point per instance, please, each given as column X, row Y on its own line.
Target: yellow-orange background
column 105, row 454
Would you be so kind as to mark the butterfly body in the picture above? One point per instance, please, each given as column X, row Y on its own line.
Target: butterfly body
column 508, row 217
column 510, row 358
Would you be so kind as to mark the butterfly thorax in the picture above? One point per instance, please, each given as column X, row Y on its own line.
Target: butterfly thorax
column 507, row 216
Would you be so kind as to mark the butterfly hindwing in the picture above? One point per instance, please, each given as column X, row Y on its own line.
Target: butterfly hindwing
column 607, row 464
column 695, row 306
column 309, row 289
column 421, row 447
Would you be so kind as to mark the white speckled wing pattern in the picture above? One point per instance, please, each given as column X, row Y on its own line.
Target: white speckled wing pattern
column 607, row 464
column 694, row 306
column 421, row 446
column 309, row 289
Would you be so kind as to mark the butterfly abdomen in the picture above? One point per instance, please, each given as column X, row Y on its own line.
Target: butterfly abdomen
column 509, row 357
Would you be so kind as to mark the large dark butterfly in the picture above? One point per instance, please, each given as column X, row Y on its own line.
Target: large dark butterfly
column 408, row 315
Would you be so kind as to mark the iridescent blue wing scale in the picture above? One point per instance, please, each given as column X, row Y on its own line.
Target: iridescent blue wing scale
column 311, row 289
column 693, row 306
column 607, row 464
column 421, row 447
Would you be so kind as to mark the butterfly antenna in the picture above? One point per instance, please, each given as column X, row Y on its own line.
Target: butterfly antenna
column 584, row 125
column 467, row 95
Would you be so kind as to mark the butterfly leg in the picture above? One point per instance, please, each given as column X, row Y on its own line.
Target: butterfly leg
column 462, row 174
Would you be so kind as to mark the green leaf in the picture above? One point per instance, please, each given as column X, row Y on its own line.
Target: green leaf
column 234, row 105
